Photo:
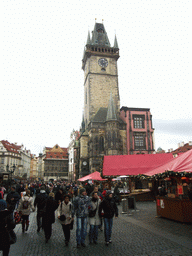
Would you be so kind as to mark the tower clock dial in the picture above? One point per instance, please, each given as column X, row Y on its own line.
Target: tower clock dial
column 103, row 62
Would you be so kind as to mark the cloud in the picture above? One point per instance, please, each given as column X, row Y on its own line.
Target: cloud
column 177, row 127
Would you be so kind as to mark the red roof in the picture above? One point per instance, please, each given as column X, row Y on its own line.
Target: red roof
column 182, row 149
column 133, row 164
column 10, row 147
column 182, row 163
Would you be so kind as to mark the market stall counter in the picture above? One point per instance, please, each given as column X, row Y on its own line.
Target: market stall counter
column 174, row 208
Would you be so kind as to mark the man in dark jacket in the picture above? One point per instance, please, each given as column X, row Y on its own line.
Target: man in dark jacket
column 109, row 207
column 12, row 199
column 49, row 216
column 40, row 202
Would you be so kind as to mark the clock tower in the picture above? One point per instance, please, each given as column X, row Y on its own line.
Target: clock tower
column 102, row 130
column 100, row 73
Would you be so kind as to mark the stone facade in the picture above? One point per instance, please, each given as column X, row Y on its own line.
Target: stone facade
column 102, row 132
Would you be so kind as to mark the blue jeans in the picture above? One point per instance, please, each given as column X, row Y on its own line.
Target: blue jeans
column 108, row 224
column 81, row 230
column 93, row 233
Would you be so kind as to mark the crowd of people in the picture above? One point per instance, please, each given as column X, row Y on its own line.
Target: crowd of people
column 86, row 207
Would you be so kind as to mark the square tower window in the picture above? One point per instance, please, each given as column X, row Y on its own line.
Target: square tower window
column 139, row 121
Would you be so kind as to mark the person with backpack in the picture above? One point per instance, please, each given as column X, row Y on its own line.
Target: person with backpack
column 40, row 202
column 24, row 209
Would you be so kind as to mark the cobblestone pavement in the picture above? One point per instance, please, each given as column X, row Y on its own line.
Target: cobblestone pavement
column 138, row 234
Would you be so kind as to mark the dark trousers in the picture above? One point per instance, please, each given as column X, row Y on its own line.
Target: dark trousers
column 66, row 231
column 48, row 230
column 40, row 221
column 25, row 220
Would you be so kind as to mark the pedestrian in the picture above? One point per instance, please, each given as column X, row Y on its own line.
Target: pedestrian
column 109, row 207
column 12, row 199
column 40, row 202
column 96, row 189
column 94, row 219
column 65, row 211
column 117, row 194
column 6, row 225
column 49, row 216
column 24, row 209
column 82, row 204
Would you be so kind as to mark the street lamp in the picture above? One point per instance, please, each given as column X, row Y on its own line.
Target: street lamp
column 11, row 171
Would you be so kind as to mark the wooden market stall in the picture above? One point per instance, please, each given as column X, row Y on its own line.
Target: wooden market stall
column 173, row 201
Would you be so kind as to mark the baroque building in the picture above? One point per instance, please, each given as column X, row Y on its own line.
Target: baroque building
column 55, row 163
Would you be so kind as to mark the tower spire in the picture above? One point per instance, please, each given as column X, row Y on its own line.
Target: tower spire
column 88, row 38
column 115, row 42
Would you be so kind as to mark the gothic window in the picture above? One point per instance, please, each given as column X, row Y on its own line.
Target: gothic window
column 101, row 144
column 114, row 140
column 139, row 140
column 109, row 139
column 96, row 144
column 139, row 121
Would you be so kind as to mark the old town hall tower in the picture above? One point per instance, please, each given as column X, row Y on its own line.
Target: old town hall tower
column 102, row 131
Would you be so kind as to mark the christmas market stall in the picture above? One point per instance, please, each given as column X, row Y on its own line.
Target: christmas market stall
column 174, row 200
column 135, row 167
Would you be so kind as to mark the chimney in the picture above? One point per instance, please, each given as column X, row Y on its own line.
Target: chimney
column 190, row 143
column 182, row 143
column 171, row 149
column 179, row 145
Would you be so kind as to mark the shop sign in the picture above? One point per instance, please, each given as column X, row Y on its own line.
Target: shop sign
column 5, row 177
column 180, row 189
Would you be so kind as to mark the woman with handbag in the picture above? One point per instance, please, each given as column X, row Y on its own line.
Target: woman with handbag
column 24, row 209
column 66, row 217
column 94, row 219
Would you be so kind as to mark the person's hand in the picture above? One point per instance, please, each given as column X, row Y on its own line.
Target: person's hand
column 58, row 217
column 116, row 217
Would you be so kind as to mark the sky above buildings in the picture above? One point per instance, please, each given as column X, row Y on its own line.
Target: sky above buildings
column 42, row 80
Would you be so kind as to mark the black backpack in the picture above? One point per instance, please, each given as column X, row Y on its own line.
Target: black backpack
column 25, row 204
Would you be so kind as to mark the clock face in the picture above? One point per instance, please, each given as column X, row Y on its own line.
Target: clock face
column 103, row 62
column 84, row 163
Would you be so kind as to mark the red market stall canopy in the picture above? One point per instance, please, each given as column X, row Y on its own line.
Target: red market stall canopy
column 92, row 176
column 182, row 163
column 133, row 164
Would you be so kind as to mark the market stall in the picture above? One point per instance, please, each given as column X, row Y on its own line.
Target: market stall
column 173, row 201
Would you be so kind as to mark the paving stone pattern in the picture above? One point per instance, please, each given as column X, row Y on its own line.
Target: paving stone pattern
column 136, row 235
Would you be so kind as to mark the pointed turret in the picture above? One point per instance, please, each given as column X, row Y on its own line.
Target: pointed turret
column 83, row 125
column 111, row 112
column 88, row 38
column 115, row 43
column 99, row 36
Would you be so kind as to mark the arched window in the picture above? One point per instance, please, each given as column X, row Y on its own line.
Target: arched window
column 109, row 139
column 96, row 144
column 101, row 144
column 114, row 139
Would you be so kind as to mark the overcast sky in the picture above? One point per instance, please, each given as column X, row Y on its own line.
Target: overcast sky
column 41, row 77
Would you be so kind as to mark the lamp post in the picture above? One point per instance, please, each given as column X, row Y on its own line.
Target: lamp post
column 11, row 171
